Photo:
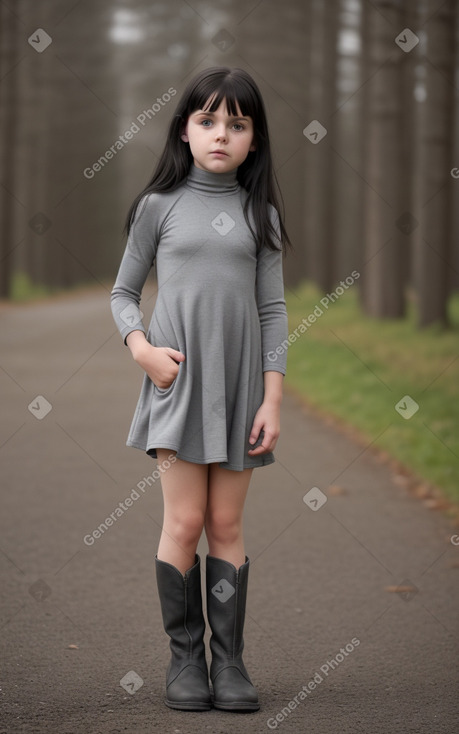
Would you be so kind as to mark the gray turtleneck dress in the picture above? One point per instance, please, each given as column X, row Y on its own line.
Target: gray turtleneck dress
column 217, row 303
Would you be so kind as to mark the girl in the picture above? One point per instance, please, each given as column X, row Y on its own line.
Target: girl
column 209, row 406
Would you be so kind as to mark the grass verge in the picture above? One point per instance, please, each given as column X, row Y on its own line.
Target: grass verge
column 358, row 369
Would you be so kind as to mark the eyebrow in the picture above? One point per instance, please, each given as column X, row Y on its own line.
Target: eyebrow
column 212, row 114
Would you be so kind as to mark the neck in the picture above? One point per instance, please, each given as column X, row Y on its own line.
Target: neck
column 209, row 182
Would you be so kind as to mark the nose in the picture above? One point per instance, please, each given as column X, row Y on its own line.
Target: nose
column 220, row 132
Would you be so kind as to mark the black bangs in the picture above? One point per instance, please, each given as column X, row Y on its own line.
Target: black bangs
column 231, row 103
column 221, row 86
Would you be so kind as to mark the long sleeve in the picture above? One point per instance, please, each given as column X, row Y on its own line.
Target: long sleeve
column 271, row 306
column 135, row 265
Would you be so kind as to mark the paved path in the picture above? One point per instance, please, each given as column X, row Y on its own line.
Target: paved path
column 77, row 618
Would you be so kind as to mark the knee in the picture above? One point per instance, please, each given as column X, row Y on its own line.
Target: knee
column 224, row 528
column 186, row 530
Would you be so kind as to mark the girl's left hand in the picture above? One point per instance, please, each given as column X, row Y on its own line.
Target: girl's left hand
column 267, row 418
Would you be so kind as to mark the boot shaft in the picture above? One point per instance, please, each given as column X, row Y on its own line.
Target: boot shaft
column 181, row 606
column 226, row 604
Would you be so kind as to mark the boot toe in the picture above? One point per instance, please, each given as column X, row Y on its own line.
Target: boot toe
column 189, row 690
column 233, row 692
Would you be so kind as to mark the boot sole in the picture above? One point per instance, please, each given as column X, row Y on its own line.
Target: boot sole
column 188, row 705
column 241, row 707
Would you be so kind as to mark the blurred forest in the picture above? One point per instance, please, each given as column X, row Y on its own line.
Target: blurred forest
column 362, row 105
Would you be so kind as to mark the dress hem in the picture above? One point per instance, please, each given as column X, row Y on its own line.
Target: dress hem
column 216, row 460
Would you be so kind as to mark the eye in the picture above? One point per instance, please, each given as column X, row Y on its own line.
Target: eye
column 203, row 122
column 238, row 127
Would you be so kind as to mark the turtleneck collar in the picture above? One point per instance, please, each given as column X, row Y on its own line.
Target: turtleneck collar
column 212, row 184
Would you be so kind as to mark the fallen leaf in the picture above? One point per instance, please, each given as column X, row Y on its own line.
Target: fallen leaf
column 422, row 491
column 400, row 480
column 432, row 504
column 335, row 489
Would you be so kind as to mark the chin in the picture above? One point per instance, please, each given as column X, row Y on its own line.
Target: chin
column 226, row 163
column 216, row 166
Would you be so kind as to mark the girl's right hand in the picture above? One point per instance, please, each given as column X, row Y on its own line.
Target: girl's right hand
column 160, row 363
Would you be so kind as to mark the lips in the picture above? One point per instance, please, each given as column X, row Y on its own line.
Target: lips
column 221, row 152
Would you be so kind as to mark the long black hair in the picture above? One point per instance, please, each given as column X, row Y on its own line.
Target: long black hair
column 255, row 174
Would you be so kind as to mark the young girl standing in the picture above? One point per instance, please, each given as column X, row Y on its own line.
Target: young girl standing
column 209, row 407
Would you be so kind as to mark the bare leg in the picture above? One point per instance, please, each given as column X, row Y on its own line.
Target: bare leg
column 184, row 487
column 224, row 516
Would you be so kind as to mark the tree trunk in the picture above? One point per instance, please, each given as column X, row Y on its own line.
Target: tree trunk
column 434, row 156
column 384, row 224
column 409, row 218
column 9, row 24
column 320, row 158
column 348, row 146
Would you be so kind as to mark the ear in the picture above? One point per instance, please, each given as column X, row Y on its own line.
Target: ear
column 184, row 135
column 252, row 148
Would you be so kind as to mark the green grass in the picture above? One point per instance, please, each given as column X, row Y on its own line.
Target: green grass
column 357, row 368
column 23, row 289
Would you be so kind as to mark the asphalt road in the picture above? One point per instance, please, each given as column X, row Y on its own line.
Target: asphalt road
column 331, row 646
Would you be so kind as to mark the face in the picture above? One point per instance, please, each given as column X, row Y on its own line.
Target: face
column 219, row 142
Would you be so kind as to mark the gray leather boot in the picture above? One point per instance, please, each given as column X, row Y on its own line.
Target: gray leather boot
column 226, row 600
column 187, row 681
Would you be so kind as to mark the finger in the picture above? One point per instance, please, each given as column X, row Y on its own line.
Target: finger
column 255, row 432
column 259, row 450
column 269, row 440
column 268, row 443
column 175, row 354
